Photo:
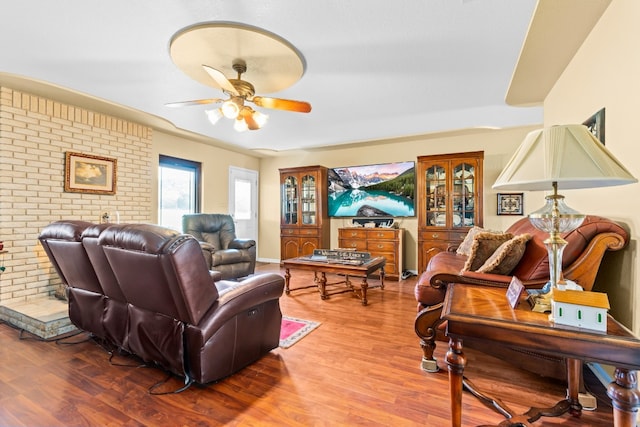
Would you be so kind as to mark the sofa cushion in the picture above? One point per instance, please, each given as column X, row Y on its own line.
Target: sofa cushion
column 213, row 239
column 483, row 246
column 465, row 246
column 506, row 257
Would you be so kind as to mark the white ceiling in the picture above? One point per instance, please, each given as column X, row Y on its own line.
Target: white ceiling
column 375, row 69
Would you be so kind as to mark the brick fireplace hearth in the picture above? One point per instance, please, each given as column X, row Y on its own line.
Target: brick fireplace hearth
column 45, row 317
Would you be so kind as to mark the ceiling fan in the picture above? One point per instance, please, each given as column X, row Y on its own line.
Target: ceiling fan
column 240, row 92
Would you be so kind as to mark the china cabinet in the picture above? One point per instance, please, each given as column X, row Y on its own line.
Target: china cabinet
column 304, row 225
column 449, row 201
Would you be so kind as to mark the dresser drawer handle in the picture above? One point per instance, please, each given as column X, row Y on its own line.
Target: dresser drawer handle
column 435, row 235
column 354, row 234
column 380, row 234
column 380, row 246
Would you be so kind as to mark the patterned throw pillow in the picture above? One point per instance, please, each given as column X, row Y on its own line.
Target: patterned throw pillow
column 465, row 246
column 483, row 246
column 507, row 256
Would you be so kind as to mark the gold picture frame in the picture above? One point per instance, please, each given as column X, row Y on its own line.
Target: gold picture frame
column 86, row 173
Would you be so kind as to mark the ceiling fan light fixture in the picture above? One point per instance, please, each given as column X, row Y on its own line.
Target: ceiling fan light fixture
column 214, row 115
column 264, row 59
column 260, row 118
column 230, row 109
column 240, row 125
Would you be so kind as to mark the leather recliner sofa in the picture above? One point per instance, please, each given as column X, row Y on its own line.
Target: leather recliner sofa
column 580, row 263
column 225, row 253
column 147, row 290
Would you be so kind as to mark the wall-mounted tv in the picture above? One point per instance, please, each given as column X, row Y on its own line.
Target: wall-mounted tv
column 381, row 190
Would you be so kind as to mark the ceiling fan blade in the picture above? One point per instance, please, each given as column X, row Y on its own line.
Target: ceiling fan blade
column 194, row 102
column 221, row 80
column 282, row 104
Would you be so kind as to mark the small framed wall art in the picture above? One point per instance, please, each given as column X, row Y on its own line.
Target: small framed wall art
column 510, row 204
column 86, row 173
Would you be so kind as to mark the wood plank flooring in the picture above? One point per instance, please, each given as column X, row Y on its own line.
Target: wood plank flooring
column 360, row 367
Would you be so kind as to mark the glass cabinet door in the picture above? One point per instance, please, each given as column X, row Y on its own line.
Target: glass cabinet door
column 308, row 200
column 289, row 198
column 464, row 180
column 436, row 190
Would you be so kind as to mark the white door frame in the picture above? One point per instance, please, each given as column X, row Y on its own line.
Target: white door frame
column 247, row 229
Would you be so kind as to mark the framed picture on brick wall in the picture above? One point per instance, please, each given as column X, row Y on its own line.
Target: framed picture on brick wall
column 86, row 173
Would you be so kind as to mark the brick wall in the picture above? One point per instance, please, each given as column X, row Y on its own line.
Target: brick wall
column 35, row 133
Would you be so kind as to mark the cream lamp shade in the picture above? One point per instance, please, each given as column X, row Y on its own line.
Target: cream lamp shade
column 559, row 157
column 566, row 154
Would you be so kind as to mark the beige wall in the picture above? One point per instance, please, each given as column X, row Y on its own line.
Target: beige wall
column 604, row 73
column 498, row 146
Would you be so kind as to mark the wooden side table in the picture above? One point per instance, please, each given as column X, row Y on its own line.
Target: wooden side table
column 484, row 312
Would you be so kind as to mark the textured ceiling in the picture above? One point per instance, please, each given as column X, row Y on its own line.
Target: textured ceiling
column 375, row 69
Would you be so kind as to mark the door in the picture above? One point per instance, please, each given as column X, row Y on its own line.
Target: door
column 243, row 202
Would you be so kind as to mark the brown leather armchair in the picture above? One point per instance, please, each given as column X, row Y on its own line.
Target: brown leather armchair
column 146, row 290
column 225, row 253
column 580, row 262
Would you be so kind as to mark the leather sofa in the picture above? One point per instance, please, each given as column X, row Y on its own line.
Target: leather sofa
column 146, row 290
column 580, row 263
column 225, row 253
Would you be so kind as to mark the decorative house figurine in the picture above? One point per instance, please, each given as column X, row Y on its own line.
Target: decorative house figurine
column 581, row 309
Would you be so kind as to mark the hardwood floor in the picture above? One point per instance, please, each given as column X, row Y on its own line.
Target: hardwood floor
column 360, row 367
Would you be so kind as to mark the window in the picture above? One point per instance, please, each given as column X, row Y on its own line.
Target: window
column 242, row 208
column 178, row 190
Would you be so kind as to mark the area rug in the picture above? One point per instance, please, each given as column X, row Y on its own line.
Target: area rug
column 293, row 330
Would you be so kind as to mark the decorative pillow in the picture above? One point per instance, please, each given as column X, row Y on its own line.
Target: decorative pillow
column 465, row 246
column 483, row 246
column 506, row 257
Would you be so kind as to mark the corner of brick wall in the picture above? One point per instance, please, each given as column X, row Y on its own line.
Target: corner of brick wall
column 35, row 133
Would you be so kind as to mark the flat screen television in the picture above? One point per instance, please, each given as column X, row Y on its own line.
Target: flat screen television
column 378, row 191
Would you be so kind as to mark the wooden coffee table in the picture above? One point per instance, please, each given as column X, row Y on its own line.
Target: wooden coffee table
column 321, row 268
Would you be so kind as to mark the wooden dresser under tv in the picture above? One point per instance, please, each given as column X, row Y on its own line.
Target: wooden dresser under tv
column 385, row 242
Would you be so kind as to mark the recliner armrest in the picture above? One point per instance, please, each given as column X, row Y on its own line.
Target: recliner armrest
column 215, row 275
column 239, row 296
column 207, row 246
column 242, row 244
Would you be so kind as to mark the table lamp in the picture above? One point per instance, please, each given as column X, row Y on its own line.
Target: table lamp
column 560, row 157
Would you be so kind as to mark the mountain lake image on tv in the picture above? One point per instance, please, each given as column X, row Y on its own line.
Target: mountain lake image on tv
column 382, row 190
